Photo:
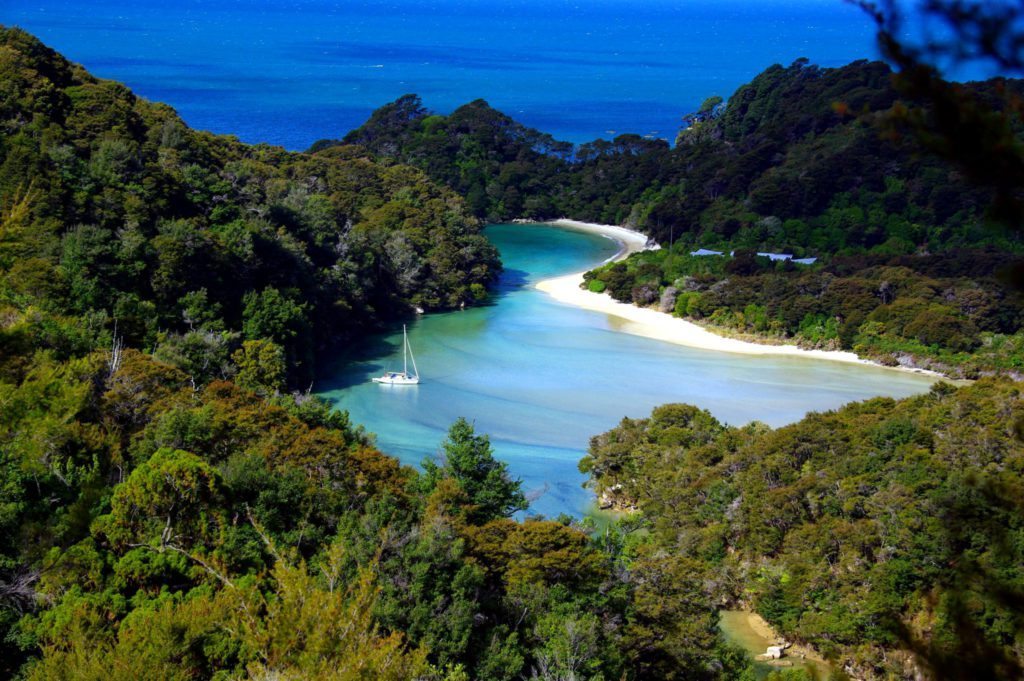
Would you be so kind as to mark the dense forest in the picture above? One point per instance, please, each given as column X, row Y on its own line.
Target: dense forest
column 798, row 160
column 804, row 161
column 878, row 531
column 169, row 510
column 215, row 255
column 506, row 170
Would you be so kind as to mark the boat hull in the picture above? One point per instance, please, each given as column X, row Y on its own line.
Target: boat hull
column 396, row 380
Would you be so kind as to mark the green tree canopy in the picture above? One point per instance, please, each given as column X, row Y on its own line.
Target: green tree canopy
column 261, row 366
column 469, row 459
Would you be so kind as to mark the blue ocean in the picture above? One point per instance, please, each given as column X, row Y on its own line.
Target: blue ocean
column 289, row 72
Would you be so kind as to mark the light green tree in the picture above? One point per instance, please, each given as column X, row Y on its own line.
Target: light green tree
column 261, row 366
column 168, row 502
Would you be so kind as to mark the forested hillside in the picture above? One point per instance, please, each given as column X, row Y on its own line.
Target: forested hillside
column 119, row 219
column 909, row 268
column 796, row 160
column 150, row 530
column 888, row 534
column 506, row 170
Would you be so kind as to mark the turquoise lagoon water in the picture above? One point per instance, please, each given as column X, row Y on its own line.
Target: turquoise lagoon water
column 541, row 377
column 290, row 72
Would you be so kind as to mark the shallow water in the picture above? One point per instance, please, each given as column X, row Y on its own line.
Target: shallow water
column 541, row 377
column 737, row 629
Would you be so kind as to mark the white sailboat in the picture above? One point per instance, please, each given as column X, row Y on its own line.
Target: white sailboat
column 402, row 377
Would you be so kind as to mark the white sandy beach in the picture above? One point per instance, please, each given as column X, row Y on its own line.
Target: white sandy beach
column 659, row 325
column 629, row 241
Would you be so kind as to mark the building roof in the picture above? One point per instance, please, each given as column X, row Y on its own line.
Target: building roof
column 777, row 256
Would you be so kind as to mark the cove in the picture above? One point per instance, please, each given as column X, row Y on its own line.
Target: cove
column 541, row 378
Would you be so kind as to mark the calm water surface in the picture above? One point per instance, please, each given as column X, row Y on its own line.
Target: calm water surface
column 541, row 377
column 290, row 72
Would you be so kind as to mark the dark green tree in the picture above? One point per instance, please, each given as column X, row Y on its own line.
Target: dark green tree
column 468, row 459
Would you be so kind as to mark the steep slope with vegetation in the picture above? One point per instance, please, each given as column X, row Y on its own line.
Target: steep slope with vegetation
column 888, row 534
column 506, row 170
column 150, row 530
column 118, row 214
column 799, row 146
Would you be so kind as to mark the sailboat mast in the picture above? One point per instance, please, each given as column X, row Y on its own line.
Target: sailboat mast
column 414, row 368
column 405, row 351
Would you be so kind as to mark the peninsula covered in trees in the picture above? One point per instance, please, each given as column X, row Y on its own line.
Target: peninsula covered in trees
column 169, row 510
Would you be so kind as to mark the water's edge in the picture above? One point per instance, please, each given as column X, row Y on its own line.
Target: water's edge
column 541, row 378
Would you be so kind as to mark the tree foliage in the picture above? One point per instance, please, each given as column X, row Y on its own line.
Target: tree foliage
column 882, row 533
column 467, row 459
column 115, row 210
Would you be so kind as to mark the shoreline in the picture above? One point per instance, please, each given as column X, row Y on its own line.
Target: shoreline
column 662, row 326
column 629, row 241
